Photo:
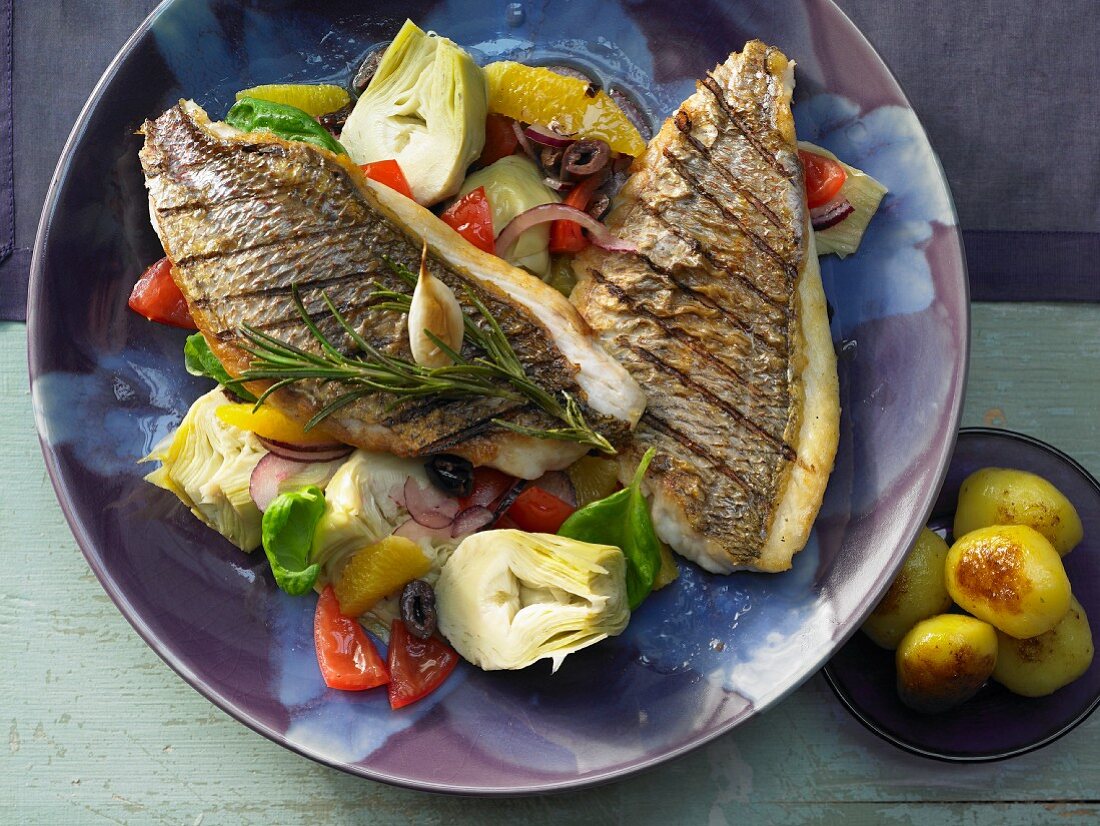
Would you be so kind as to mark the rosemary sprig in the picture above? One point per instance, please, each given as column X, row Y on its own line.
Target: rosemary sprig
column 498, row 373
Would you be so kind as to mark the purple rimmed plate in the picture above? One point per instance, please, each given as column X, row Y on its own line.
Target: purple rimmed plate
column 995, row 723
column 699, row 657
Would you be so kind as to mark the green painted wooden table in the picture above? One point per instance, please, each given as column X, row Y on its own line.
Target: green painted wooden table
column 101, row 731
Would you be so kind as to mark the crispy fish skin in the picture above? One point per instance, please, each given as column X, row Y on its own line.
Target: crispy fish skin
column 721, row 317
column 243, row 217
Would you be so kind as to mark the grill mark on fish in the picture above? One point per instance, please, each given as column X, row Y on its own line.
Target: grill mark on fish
column 777, row 442
column 286, row 289
column 789, row 271
column 651, row 418
column 214, row 255
column 700, row 249
column 677, row 333
column 715, row 88
column 697, row 145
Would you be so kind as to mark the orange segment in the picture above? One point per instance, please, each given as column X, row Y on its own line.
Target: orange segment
column 271, row 423
column 378, row 571
column 314, row 99
column 534, row 94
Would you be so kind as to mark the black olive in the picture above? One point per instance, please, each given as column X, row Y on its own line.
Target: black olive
column 418, row 608
column 451, row 474
column 366, row 71
column 586, row 157
column 334, row 121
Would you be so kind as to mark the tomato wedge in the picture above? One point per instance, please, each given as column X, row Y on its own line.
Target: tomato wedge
column 566, row 236
column 345, row 654
column 500, row 139
column 157, row 297
column 537, row 511
column 389, row 173
column 824, row 178
column 417, row 667
column 472, row 218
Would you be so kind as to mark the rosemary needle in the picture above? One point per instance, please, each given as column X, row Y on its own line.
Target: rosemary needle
column 497, row 373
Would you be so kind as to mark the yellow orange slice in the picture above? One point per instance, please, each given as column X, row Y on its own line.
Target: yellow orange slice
column 378, row 571
column 534, row 94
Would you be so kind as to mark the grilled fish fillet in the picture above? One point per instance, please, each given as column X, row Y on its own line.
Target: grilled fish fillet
column 242, row 217
column 720, row 316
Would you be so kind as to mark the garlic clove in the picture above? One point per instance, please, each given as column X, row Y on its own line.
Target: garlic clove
column 434, row 309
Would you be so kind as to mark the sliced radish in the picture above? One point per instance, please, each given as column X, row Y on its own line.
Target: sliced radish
column 275, row 474
column 411, row 529
column 428, row 506
column 470, row 520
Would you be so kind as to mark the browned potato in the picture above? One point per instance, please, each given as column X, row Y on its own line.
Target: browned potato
column 1041, row 665
column 944, row 660
column 1001, row 496
column 918, row 592
column 1011, row 577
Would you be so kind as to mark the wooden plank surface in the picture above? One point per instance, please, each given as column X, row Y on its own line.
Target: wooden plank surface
column 101, row 731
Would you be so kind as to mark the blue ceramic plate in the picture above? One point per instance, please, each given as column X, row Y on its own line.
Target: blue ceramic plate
column 700, row 657
column 995, row 723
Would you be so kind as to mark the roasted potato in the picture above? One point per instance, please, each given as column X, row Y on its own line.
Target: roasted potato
column 918, row 592
column 1011, row 577
column 1001, row 496
column 1041, row 665
column 944, row 660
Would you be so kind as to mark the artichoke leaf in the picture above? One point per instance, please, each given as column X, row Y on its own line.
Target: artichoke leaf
column 425, row 107
column 507, row 598
column 512, row 186
column 208, row 464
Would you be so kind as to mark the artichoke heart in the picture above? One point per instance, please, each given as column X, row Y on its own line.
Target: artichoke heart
column 507, row 598
column 512, row 186
column 208, row 464
column 425, row 107
column 361, row 509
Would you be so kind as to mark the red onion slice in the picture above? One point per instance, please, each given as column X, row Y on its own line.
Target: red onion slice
column 557, row 483
column 546, row 137
column 428, row 506
column 327, row 452
column 411, row 529
column 524, row 143
column 831, row 214
column 600, row 235
column 470, row 520
column 275, row 474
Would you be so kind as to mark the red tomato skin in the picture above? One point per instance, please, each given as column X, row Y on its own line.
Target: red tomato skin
column 471, row 216
column 417, row 667
column 500, row 139
column 157, row 297
column 537, row 511
column 388, row 172
column 347, row 658
column 566, row 236
column 824, row 178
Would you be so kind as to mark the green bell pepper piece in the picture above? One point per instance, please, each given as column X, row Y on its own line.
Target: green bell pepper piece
column 292, row 124
column 623, row 519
